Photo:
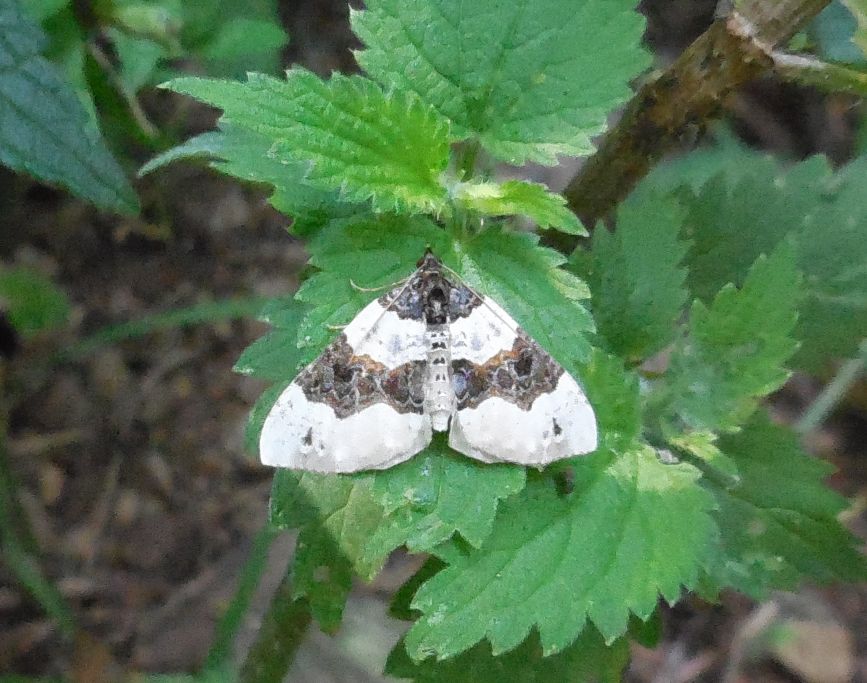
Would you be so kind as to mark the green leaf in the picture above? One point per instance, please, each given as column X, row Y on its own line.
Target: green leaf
column 44, row 129
column 728, row 156
column 780, row 524
column 239, row 39
column 832, row 253
column 322, row 574
column 528, row 80
column 833, row 32
column 525, row 523
column 344, row 504
column 633, row 529
column 335, row 515
column 587, row 659
column 751, row 205
column 138, row 59
column 402, row 598
column 67, row 52
column 244, row 154
column 235, row 36
column 614, row 395
column 734, row 350
column 41, row 10
column 387, row 148
column 436, row 494
column 704, row 452
column 160, row 22
column 858, row 8
column 637, row 280
column 730, row 228
column 523, row 198
column 32, row 302
column 276, row 356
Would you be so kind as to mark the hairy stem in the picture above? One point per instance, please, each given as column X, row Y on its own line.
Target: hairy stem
column 678, row 102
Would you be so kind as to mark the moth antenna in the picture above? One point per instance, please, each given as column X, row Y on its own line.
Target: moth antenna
column 359, row 288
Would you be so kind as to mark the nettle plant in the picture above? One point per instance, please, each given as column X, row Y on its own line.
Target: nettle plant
column 717, row 270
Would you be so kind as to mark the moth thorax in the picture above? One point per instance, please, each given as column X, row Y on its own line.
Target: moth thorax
column 439, row 397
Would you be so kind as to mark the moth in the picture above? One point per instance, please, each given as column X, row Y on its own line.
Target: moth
column 429, row 355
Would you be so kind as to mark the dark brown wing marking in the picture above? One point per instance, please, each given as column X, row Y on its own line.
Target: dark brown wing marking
column 429, row 296
column 519, row 375
column 462, row 301
column 349, row 383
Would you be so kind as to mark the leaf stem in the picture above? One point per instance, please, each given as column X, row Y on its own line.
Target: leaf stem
column 712, row 474
column 283, row 629
column 833, row 392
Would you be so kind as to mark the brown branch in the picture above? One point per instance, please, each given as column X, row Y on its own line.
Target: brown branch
column 684, row 98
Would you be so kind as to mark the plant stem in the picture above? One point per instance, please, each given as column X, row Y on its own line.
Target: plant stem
column 833, row 392
column 467, row 160
column 211, row 311
column 283, row 629
column 826, row 76
column 684, row 98
column 776, row 21
column 229, row 624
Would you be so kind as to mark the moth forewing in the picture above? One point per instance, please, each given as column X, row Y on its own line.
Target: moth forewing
column 359, row 405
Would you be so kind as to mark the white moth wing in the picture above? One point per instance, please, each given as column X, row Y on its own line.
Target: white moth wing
column 548, row 419
column 303, row 435
column 482, row 334
column 559, row 425
column 381, row 334
column 353, row 408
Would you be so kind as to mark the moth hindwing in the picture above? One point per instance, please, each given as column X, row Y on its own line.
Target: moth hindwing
column 428, row 355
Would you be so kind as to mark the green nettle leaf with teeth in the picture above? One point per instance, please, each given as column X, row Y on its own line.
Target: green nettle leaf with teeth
column 526, row 80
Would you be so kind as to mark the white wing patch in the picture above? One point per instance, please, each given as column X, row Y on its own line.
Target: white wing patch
column 558, row 425
column 303, row 435
column 483, row 334
column 382, row 335
column 352, row 408
column 428, row 349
